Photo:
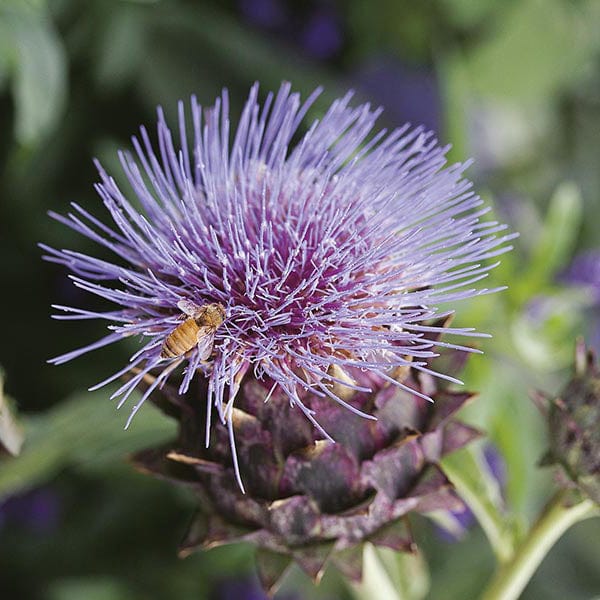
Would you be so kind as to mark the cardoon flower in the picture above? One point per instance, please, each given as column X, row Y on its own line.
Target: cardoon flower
column 573, row 419
column 290, row 281
column 327, row 255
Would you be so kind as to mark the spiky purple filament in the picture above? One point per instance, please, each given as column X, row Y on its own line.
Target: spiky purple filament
column 331, row 252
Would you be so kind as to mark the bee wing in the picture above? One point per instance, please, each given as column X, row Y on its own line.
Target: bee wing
column 206, row 339
column 188, row 307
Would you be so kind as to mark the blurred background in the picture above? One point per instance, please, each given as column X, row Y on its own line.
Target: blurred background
column 515, row 84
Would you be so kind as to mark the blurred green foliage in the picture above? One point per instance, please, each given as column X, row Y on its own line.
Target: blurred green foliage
column 82, row 431
column 519, row 89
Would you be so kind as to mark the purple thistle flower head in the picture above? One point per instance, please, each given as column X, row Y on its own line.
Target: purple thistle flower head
column 321, row 257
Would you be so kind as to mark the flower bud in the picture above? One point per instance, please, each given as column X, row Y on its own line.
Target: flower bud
column 574, row 426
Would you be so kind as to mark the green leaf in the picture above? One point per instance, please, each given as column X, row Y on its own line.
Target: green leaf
column 517, row 430
column 455, row 91
column 83, row 431
column 92, row 588
column 11, row 432
column 478, row 488
column 559, row 235
column 511, row 420
column 237, row 53
column 376, row 581
column 121, row 47
column 6, row 51
column 532, row 52
column 466, row 13
column 392, row 575
column 37, row 69
column 408, row 572
column 540, row 339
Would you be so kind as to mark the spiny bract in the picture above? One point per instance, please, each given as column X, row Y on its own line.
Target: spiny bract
column 308, row 500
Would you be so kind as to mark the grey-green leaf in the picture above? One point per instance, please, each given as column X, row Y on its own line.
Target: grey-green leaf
column 559, row 235
column 85, row 430
column 36, row 64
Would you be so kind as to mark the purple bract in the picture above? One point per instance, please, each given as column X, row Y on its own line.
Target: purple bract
column 329, row 253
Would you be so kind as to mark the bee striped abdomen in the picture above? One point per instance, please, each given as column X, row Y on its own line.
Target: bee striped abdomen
column 181, row 340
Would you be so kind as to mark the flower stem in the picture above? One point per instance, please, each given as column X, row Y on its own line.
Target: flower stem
column 511, row 579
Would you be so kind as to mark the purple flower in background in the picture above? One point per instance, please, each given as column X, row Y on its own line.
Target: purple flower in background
column 264, row 13
column 239, row 590
column 408, row 94
column 584, row 271
column 237, row 252
column 456, row 525
column 317, row 29
column 321, row 36
column 37, row 509
column 248, row 589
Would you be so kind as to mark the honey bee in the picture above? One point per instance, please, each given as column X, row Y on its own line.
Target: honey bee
column 197, row 330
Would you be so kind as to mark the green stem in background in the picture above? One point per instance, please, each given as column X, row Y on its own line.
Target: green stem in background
column 376, row 581
column 392, row 575
column 512, row 578
column 478, row 488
